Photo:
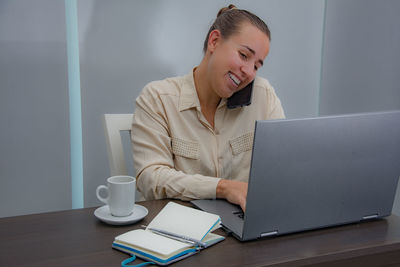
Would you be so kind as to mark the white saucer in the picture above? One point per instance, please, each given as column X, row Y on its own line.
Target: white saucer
column 103, row 214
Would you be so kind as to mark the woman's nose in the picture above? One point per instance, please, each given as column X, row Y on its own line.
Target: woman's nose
column 249, row 71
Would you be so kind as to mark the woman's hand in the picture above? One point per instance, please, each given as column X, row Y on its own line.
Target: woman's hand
column 233, row 191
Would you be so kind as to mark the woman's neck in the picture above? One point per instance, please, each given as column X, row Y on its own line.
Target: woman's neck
column 209, row 100
column 207, row 96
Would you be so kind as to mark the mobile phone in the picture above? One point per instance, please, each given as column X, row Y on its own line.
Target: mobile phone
column 242, row 97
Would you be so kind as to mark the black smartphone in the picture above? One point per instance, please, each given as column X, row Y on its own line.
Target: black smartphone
column 241, row 98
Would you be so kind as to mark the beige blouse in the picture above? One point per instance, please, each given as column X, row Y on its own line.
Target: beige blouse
column 177, row 154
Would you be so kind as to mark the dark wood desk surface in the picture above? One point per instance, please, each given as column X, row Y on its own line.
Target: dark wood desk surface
column 77, row 238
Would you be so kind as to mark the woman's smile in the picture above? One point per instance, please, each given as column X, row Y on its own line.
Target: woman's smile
column 234, row 78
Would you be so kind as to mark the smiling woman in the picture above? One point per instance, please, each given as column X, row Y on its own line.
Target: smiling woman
column 187, row 142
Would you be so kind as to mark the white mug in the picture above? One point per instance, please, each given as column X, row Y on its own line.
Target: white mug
column 120, row 195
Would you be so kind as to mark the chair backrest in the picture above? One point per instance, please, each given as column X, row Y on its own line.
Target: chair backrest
column 113, row 125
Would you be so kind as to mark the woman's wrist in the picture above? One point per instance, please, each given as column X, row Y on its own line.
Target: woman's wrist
column 221, row 189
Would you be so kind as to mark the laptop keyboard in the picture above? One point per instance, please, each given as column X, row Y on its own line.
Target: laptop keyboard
column 240, row 214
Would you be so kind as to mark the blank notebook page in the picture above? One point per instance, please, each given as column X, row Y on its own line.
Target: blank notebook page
column 185, row 221
column 152, row 242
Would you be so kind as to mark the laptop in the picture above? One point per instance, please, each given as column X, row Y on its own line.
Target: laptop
column 316, row 172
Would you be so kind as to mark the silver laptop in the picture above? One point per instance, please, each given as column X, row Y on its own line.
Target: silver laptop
column 317, row 172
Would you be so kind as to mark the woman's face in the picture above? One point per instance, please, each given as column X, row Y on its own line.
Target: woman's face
column 234, row 61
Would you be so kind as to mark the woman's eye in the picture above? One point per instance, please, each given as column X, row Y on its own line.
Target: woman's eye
column 255, row 68
column 243, row 55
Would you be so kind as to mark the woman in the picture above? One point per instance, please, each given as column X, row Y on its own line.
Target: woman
column 187, row 142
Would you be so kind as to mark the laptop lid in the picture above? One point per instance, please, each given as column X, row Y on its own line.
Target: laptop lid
column 317, row 172
column 313, row 173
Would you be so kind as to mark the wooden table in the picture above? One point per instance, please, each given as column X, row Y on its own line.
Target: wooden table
column 77, row 238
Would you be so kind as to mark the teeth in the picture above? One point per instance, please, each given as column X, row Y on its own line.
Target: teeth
column 234, row 79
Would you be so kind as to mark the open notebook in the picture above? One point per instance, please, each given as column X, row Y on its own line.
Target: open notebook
column 163, row 240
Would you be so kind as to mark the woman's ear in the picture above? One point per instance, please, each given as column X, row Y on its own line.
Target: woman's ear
column 213, row 40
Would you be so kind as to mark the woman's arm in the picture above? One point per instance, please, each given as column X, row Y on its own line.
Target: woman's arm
column 153, row 158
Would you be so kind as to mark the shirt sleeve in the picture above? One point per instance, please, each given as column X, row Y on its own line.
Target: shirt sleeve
column 153, row 158
column 275, row 110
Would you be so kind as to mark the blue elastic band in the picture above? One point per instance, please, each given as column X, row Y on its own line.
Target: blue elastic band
column 131, row 259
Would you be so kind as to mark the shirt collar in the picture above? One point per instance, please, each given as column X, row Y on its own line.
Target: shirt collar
column 189, row 98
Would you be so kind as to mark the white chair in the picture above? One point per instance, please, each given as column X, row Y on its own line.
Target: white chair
column 113, row 125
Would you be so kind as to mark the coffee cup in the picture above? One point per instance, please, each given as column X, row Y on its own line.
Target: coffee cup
column 120, row 195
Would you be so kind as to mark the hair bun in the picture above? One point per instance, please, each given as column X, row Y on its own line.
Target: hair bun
column 224, row 9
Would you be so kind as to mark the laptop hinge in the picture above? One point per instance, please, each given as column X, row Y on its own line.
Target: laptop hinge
column 269, row 233
column 369, row 217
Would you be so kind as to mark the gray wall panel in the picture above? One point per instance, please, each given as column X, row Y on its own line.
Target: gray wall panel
column 361, row 59
column 126, row 44
column 34, row 136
